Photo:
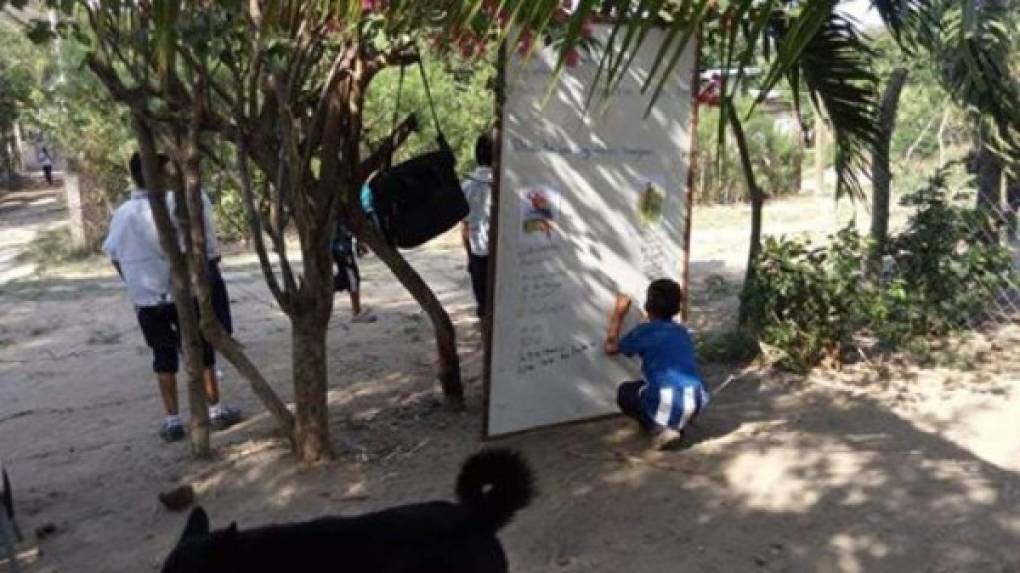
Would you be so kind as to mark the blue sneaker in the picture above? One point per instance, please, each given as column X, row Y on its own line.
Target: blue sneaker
column 171, row 431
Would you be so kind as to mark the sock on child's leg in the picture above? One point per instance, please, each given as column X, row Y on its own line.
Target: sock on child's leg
column 215, row 410
column 174, row 420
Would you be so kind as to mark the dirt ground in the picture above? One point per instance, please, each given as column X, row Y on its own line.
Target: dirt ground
column 908, row 464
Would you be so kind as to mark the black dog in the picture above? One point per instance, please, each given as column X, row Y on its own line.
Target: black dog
column 434, row 537
column 6, row 495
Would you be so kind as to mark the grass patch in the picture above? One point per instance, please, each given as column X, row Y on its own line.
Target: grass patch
column 52, row 247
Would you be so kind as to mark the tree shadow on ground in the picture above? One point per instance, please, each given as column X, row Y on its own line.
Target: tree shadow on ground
column 778, row 477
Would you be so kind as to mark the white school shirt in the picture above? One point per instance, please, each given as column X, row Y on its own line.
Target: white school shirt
column 478, row 192
column 133, row 243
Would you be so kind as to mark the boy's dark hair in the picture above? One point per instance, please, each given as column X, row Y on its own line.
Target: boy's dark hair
column 664, row 299
column 135, row 166
column 483, row 150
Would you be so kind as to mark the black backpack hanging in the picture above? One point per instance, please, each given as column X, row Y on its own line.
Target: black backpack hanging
column 421, row 198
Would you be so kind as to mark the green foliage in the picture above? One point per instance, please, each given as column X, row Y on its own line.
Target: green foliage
column 227, row 201
column 943, row 274
column 20, row 75
column 464, row 104
column 946, row 261
column 777, row 156
column 89, row 128
column 924, row 105
column 777, row 160
column 802, row 299
column 463, row 98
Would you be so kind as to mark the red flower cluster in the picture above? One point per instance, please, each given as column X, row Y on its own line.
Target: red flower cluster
column 710, row 91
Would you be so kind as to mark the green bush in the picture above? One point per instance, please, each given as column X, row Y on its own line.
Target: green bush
column 943, row 273
column 803, row 300
column 946, row 261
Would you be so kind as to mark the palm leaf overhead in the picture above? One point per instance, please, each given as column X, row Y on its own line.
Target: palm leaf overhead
column 816, row 48
column 974, row 44
column 836, row 68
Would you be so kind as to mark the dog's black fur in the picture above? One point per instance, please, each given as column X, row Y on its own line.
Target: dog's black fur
column 434, row 537
column 7, row 498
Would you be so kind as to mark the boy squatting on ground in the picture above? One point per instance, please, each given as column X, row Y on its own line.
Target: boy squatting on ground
column 672, row 393
column 132, row 244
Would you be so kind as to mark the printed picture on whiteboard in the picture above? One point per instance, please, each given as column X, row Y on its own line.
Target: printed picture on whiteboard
column 650, row 201
column 538, row 214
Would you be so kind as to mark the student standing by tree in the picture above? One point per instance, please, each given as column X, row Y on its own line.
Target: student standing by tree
column 348, row 275
column 133, row 246
column 475, row 228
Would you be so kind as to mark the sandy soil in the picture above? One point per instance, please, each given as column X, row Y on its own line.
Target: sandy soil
column 911, row 464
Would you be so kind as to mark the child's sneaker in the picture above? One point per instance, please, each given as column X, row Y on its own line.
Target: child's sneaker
column 222, row 417
column 171, row 431
column 667, row 439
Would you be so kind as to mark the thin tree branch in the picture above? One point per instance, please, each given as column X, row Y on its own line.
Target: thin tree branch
column 386, row 148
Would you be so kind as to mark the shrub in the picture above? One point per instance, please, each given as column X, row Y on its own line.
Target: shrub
column 944, row 273
column 803, row 300
column 946, row 261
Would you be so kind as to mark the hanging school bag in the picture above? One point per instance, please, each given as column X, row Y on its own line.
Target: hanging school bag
column 420, row 198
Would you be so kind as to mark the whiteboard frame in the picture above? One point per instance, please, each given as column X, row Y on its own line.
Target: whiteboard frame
column 490, row 306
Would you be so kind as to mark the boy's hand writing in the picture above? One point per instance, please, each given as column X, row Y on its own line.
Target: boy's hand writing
column 622, row 305
column 620, row 308
column 611, row 346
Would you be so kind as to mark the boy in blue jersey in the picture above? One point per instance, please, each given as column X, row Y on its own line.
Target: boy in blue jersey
column 672, row 392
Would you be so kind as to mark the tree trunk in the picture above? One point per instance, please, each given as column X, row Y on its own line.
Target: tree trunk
column 757, row 206
column 308, row 359
column 989, row 190
column 446, row 337
column 1012, row 204
column 821, row 148
column 210, row 327
column 881, row 176
column 181, row 287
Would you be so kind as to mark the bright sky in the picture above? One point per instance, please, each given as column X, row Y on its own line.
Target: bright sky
column 862, row 11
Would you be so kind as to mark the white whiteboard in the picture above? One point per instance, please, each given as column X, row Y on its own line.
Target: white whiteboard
column 592, row 202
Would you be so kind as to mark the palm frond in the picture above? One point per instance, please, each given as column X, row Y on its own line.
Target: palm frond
column 837, row 68
column 972, row 43
column 974, row 46
column 903, row 16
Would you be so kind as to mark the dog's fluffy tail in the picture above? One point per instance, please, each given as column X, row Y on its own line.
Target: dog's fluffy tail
column 494, row 484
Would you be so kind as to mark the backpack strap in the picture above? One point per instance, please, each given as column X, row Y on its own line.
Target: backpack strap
column 428, row 96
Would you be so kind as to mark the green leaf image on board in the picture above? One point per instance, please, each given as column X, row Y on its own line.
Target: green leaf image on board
column 650, row 203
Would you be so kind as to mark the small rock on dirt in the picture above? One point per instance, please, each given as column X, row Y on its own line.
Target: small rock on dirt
column 45, row 530
column 178, row 499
